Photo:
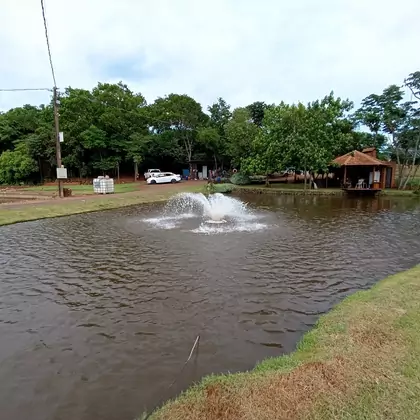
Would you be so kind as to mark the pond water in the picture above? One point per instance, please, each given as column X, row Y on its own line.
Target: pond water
column 98, row 312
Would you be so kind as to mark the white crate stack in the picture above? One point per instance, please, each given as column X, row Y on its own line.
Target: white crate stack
column 103, row 185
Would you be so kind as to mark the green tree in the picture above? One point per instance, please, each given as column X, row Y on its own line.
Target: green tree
column 371, row 114
column 183, row 116
column 209, row 139
column 273, row 147
column 240, row 135
column 394, row 114
column 413, row 83
column 16, row 166
column 111, row 108
column 256, row 112
column 220, row 115
column 303, row 137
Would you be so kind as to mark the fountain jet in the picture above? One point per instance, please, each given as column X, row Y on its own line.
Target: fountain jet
column 215, row 208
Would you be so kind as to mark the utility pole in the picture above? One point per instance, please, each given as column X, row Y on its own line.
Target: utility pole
column 57, row 140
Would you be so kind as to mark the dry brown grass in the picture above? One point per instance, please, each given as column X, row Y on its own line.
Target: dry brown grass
column 350, row 366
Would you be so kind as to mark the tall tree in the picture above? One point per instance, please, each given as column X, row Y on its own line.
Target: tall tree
column 240, row 134
column 413, row 83
column 256, row 112
column 271, row 148
column 370, row 114
column 16, row 166
column 220, row 114
column 210, row 140
column 182, row 115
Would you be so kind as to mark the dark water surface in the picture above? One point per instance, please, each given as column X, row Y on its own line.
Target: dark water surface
column 98, row 312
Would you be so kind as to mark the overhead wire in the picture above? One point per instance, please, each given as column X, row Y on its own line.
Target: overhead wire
column 48, row 43
column 24, row 89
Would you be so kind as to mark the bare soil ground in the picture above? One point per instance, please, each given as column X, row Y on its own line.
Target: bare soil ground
column 20, row 211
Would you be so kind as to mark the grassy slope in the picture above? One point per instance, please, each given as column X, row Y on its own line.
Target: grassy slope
column 299, row 189
column 361, row 361
column 83, row 189
column 65, row 207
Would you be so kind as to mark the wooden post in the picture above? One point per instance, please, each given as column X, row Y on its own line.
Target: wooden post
column 345, row 176
column 374, row 184
column 383, row 177
column 57, row 140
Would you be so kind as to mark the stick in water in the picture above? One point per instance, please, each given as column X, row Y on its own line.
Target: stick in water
column 189, row 357
column 185, row 364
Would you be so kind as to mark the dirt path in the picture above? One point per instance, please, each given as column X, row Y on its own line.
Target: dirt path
column 149, row 191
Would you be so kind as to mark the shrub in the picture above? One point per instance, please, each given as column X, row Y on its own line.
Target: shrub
column 209, row 188
column 240, row 179
column 16, row 165
column 413, row 184
column 223, row 188
column 212, row 188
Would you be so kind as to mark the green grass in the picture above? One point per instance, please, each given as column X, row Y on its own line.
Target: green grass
column 399, row 193
column 83, row 189
column 299, row 189
column 64, row 207
column 289, row 189
column 360, row 361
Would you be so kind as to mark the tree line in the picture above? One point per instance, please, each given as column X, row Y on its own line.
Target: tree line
column 111, row 129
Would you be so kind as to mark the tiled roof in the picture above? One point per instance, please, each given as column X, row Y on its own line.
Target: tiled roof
column 357, row 158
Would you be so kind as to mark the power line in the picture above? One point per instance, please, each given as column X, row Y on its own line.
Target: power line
column 24, row 90
column 55, row 100
column 48, row 42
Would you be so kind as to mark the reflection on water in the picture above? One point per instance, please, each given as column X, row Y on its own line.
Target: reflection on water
column 98, row 312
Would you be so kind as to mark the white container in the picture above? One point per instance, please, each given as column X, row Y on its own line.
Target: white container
column 103, row 185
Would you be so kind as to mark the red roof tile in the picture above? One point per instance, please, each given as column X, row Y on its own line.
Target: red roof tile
column 357, row 158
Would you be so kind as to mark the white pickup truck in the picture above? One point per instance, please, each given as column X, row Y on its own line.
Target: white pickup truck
column 151, row 172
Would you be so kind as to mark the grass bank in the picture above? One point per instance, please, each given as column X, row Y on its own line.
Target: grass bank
column 74, row 205
column 81, row 189
column 297, row 189
column 360, row 361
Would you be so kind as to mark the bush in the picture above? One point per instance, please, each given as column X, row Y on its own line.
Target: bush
column 223, row 188
column 212, row 188
column 240, row 179
column 16, row 166
column 413, row 184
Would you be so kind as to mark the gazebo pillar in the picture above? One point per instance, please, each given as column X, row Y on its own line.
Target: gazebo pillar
column 383, row 177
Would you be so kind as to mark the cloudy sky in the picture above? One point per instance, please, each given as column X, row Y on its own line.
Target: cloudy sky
column 242, row 50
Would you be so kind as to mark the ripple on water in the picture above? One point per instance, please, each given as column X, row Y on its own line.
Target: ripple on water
column 93, row 306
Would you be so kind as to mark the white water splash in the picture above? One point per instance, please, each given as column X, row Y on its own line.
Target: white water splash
column 210, row 229
column 168, row 222
column 217, row 214
column 216, row 207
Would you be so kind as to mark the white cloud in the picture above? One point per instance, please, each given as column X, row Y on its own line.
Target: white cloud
column 242, row 50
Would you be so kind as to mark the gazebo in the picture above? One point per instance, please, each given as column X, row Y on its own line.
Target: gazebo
column 364, row 172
